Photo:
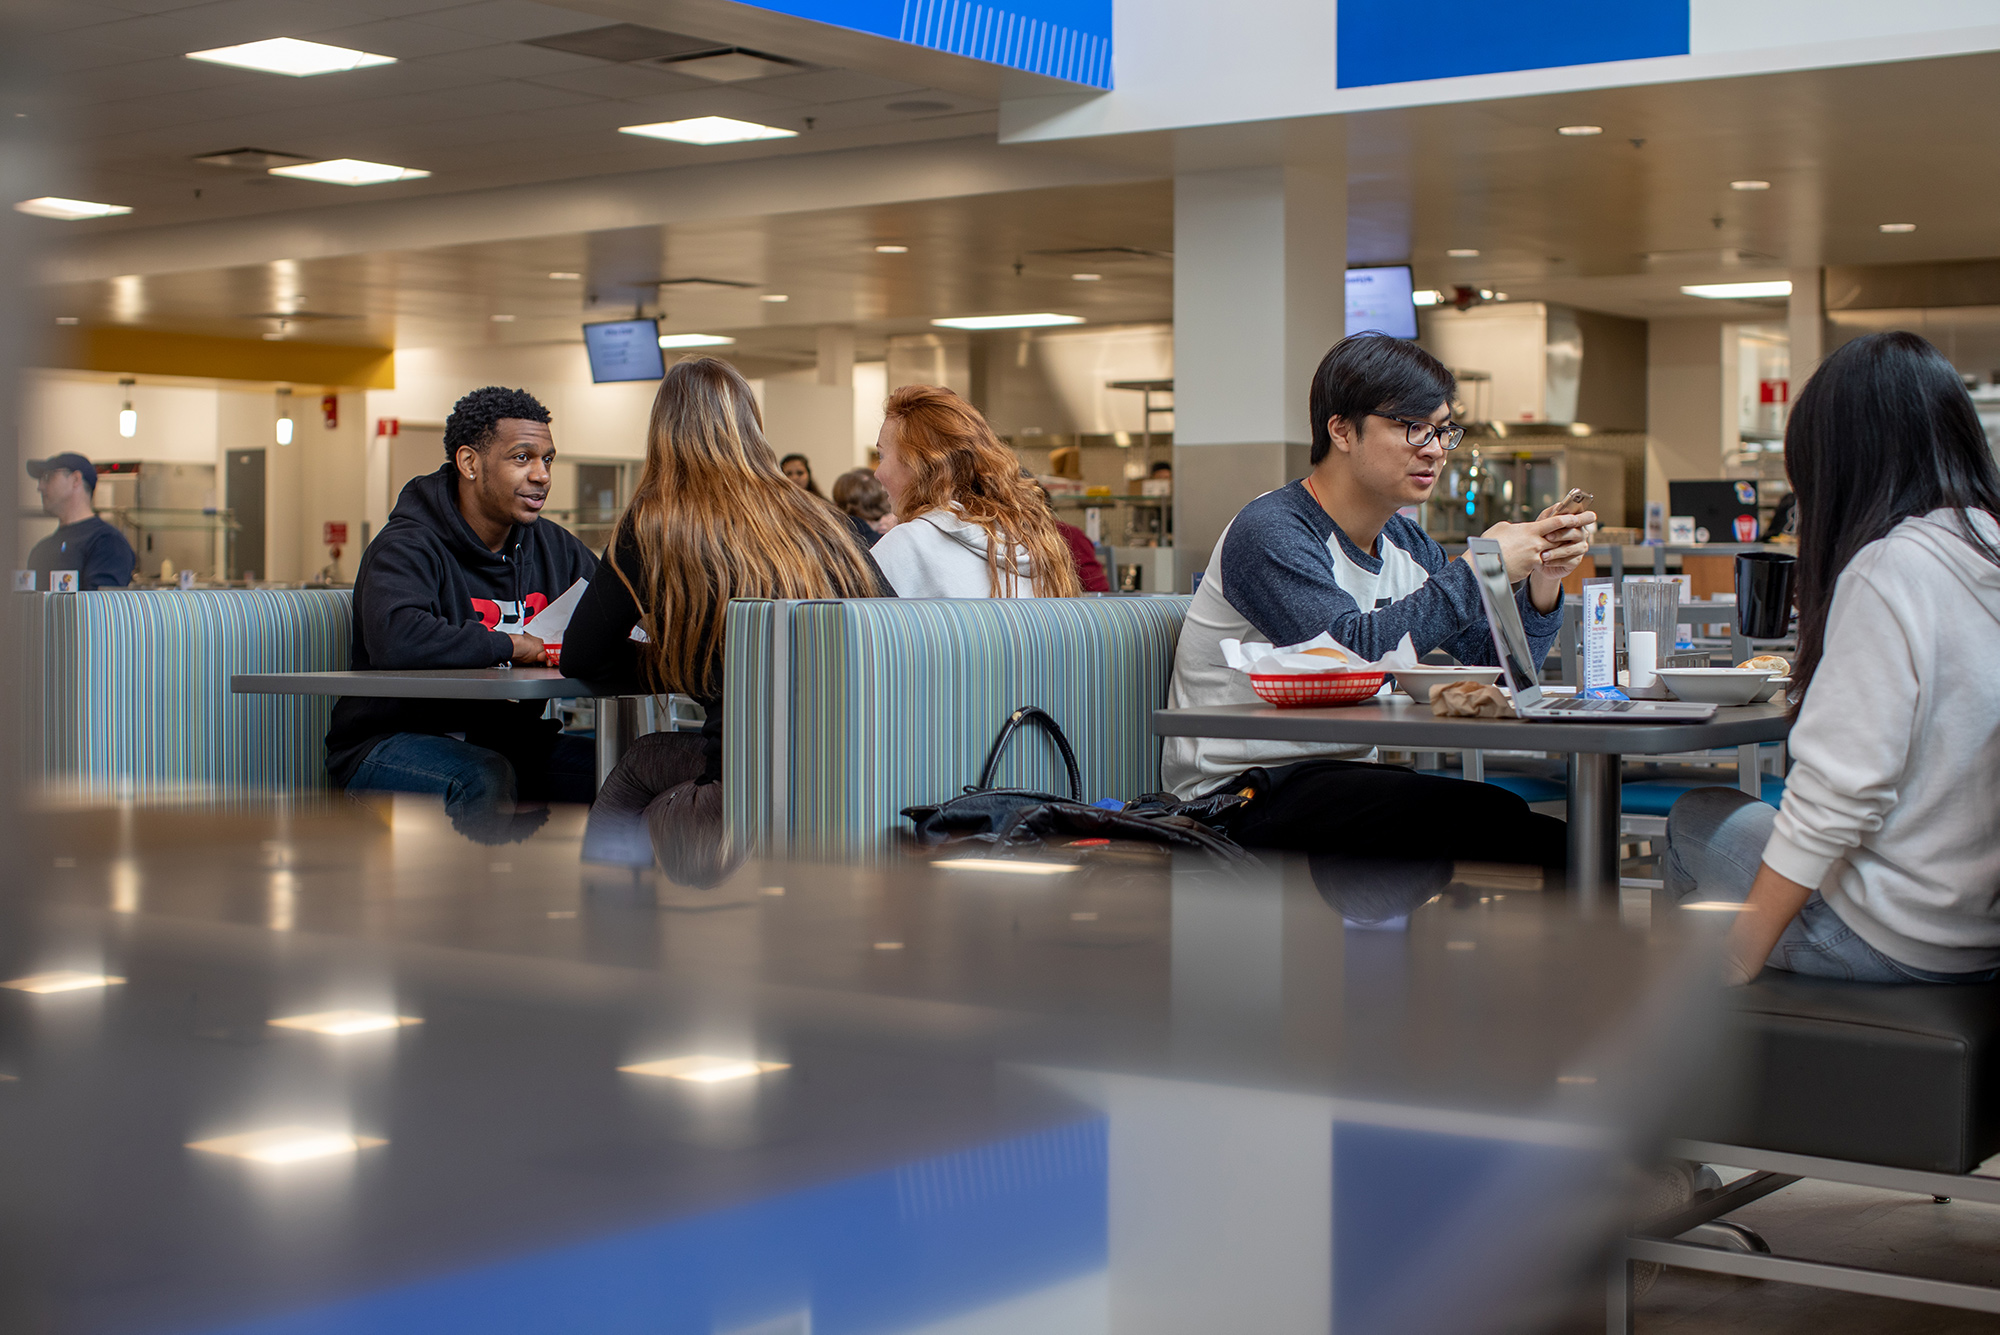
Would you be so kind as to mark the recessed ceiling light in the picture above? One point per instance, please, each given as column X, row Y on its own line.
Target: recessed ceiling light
column 1007, row 867
column 339, row 1024
column 1426, row 296
column 1038, row 320
column 501, row 319
column 1463, row 253
column 1086, row 277
column 695, row 340
column 1486, row 294
column 708, row 130
column 66, row 319
column 774, row 297
column 1781, row 287
column 564, row 276
column 1897, row 227
column 1716, row 906
column 69, row 210
column 1579, row 131
column 705, row 1070
column 287, row 1144
column 271, row 335
column 1749, row 185
column 892, row 250
column 61, row 980
column 289, row 55
column 350, row 171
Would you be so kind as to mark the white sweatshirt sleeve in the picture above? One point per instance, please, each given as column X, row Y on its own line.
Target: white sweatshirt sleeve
column 1851, row 746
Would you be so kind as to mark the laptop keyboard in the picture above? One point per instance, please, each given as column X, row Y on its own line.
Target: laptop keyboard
column 1578, row 705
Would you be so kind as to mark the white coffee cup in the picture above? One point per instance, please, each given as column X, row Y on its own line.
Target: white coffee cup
column 1642, row 659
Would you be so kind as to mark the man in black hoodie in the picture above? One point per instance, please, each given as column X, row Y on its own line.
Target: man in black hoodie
column 463, row 564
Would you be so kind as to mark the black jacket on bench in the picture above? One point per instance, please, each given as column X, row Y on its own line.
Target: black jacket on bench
column 430, row 594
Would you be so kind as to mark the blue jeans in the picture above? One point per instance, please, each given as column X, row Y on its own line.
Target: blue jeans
column 479, row 786
column 1715, row 844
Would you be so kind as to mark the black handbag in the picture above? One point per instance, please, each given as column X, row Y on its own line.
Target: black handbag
column 1021, row 819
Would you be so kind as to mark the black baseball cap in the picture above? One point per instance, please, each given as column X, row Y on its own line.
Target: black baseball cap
column 76, row 463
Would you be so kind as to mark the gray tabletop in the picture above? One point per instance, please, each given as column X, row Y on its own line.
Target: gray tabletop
column 527, row 683
column 1397, row 722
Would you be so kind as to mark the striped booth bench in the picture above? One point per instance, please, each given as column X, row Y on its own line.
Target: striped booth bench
column 837, row 715
column 127, row 691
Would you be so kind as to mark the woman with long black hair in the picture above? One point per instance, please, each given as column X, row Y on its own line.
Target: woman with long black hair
column 1883, row 863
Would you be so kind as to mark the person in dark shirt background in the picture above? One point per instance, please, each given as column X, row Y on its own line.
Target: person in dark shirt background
column 82, row 542
column 1089, row 570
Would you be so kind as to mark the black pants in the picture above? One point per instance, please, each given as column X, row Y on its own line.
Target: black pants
column 662, row 802
column 1350, row 809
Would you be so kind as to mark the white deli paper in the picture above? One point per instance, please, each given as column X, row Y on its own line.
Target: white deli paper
column 1249, row 656
column 549, row 624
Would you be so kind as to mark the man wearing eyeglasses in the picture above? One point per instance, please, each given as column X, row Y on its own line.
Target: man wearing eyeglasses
column 1330, row 553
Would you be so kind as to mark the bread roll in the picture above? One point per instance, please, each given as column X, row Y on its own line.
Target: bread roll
column 1770, row 663
column 1338, row 655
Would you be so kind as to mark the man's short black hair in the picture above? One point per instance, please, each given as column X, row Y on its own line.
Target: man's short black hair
column 476, row 417
column 1375, row 373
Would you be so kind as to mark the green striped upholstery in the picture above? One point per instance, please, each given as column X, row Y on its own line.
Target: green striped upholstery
column 868, row 706
column 135, row 690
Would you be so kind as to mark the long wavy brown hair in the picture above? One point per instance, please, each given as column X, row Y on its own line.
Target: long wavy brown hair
column 714, row 519
column 959, row 464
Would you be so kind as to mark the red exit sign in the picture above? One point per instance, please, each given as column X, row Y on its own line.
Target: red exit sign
column 335, row 533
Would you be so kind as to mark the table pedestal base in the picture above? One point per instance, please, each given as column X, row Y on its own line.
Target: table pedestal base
column 1594, row 801
column 617, row 727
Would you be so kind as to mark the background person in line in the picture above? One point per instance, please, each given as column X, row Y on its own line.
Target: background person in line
column 800, row 470
column 862, row 497
column 1883, row 863
column 971, row 525
column 463, row 564
column 82, row 542
column 712, row 519
column 1329, row 553
column 1089, row 570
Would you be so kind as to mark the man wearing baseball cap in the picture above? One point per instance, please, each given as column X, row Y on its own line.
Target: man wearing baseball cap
column 82, row 542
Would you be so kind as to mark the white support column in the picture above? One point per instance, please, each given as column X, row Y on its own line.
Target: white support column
column 1808, row 325
column 1260, row 259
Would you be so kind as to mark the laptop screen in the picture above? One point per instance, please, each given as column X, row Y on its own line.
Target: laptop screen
column 1510, row 638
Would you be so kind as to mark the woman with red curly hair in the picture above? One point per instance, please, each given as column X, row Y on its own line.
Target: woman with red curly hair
column 972, row 525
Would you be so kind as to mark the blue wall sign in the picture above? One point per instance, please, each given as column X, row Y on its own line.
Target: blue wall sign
column 1403, row 41
column 1065, row 39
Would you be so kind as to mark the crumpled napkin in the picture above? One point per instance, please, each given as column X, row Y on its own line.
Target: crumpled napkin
column 1467, row 699
column 1248, row 656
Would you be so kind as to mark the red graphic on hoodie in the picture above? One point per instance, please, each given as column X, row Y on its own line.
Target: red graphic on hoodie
column 509, row 617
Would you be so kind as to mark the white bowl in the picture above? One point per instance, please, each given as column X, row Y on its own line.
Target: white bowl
column 1771, row 688
column 1417, row 682
column 1715, row 686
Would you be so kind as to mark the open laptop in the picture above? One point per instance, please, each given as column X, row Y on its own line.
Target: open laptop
column 1523, row 681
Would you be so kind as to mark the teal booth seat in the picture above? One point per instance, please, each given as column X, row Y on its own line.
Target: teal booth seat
column 127, row 691
column 838, row 714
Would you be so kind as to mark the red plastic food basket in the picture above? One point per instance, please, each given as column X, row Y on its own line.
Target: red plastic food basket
column 1309, row 689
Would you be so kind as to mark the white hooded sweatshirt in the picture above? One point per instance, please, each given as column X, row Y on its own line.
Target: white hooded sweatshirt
column 1892, row 808
column 939, row 554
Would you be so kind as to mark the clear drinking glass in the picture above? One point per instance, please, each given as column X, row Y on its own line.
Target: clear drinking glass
column 1655, row 605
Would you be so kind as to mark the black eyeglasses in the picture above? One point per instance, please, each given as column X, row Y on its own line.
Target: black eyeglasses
column 1421, row 433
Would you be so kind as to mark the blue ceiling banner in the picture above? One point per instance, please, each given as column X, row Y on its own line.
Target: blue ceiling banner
column 1064, row 39
column 1404, row 41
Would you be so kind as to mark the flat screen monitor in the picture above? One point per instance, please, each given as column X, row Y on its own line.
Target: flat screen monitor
column 1381, row 299
column 624, row 350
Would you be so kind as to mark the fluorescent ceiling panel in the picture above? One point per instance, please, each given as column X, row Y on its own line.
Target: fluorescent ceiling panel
column 289, row 55
column 1039, row 320
column 705, row 1070
column 350, row 171
column 708, row 130
column 339, row 1024
column 61, row 980
column 695, row 340
column 287, row 1144
column 68, row 210
column 1738, row 291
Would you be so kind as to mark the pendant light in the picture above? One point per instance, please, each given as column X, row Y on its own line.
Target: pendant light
column 128, row 420
column 285, row 415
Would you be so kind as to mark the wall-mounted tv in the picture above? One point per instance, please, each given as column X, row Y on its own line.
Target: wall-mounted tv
column 1381, row 298
column 624, row 350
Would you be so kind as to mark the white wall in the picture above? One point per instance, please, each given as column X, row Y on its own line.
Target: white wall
column 588, row 421
column 67, row 412
column 1509, row 342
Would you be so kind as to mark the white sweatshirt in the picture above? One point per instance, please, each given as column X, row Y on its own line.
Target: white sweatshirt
column 938, row 554
column 1890, row 808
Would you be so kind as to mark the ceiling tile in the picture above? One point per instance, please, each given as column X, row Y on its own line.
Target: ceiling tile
column 509, row 20
column 623, row 81
column 65, row 52
column 236, row 21
column 401, row 38
column 71, row 14
column 831, row 86
column 512, row 60
column 741, row 103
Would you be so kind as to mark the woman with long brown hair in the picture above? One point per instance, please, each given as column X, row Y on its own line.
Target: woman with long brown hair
column 713, row 519
column 972, row 526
